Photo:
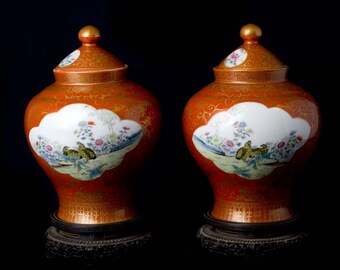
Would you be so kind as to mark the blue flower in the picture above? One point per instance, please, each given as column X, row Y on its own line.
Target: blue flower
column 242, row 124
column 93, row 173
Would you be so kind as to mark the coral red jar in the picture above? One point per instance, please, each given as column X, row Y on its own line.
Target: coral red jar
column 91, row 131
column 250, row 131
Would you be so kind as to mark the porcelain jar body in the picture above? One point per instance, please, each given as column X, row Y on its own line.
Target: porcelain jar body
column 250, row 131
column 91, row 131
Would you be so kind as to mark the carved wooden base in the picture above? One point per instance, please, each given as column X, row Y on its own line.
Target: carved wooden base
column 93, row 243
column 251, row 242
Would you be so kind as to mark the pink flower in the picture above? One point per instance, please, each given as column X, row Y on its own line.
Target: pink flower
column 235, row 56
column 281, row 145
column 230, row 143
column 99, row 142
column 49, row 148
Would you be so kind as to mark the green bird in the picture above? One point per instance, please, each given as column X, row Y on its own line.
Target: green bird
column 85, row 152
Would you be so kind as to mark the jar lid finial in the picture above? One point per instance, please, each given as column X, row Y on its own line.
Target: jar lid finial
column 250, row 33
column 89, row 35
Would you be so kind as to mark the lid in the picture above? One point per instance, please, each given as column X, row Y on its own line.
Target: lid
column 89, row 63
column 251, row 62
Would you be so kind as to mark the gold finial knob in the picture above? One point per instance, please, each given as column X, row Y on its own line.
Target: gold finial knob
column 89, row 35
column 250, row 33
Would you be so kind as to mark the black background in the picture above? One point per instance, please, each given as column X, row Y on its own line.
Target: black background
column 170, row 48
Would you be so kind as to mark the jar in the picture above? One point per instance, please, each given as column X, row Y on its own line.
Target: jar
column 91, row 132
column 251, row 131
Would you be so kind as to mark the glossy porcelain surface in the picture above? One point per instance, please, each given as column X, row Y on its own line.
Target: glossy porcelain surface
column 91, row 131
column 250, row 131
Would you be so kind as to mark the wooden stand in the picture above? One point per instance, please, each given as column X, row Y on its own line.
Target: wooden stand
column 94, row 243
column 249, row 242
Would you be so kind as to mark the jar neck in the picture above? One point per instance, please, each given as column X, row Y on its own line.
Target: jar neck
column 250, row 76
column 89, row 76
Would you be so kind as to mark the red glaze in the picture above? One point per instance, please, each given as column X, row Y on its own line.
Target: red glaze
column 91, row 131
column 250, row 131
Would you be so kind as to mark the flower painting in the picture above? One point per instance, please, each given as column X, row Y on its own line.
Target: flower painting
column 236, row 58
column 251, row 140
column 83, row 141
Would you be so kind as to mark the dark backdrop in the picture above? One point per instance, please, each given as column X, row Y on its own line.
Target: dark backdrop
column 170, row 48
